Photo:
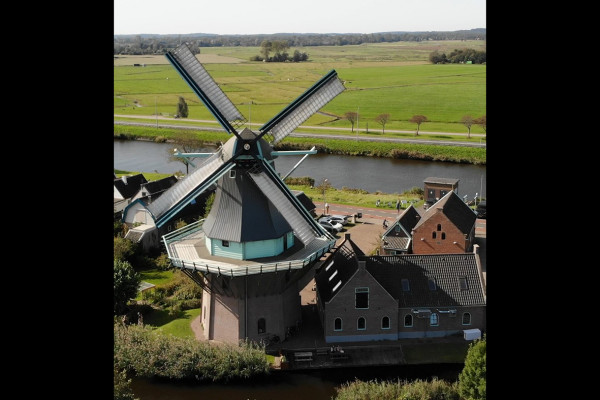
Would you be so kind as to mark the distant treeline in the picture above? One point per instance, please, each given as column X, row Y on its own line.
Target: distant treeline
column 458, row 56
column 160, row 44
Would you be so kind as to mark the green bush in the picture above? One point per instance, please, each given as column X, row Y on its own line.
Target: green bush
column 122, row 386
column 398, row 390
column 139, row 350
column 124, row 249
column 472, row 379
column 163, row 262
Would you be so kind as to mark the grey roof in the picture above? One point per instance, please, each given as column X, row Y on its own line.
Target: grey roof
column 445, row 181
column 129, row 189
column 445, row 269
column 455, row 210
column 399, row 239
column 242, row 213
column 304, row 199
column 343, row 263
column 157, row 187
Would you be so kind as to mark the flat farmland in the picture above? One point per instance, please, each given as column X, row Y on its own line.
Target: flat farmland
column 394, row 78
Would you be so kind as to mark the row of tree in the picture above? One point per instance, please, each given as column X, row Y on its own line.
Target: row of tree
column 382, row 119
column 279, row 48
column 458, row 56
column 159, row 44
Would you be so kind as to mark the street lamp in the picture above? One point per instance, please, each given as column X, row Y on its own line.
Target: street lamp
column 325, row 182
column 476, row 194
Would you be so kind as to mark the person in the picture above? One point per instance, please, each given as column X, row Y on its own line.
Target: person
column 326, row 208
column 385, row 223
column 377, row 204
column 398, row 205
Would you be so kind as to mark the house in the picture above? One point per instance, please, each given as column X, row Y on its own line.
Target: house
column 125, row 188
column 436, row 188
column 152, row 190
column 448, row 226
column 372, row 298
column 397, row 239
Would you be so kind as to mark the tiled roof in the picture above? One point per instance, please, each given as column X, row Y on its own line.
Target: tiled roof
column 400, row 238
column 444, row 269
column 457, row 212
column 155, row 188
column 339, row 266
column 129, row 189
column 445, row 181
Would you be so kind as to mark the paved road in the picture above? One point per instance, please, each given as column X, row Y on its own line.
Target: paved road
column 369, row 138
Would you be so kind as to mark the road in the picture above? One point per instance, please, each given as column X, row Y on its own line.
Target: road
column 164, row 124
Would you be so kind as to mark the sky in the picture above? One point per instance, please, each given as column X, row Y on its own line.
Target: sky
column 244, row 17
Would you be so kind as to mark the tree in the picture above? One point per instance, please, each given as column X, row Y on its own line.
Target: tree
column 472, row 379
column 265, row 48
column 468, row 121
column 182, row 108
column 125, row 285
column 481, row 121
column 418, row 119
column 352, row 117
column 382, row 119
column 323, row 187
column 184, row 141
column 122, row 386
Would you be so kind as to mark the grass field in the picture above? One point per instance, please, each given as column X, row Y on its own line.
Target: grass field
column 394, row 78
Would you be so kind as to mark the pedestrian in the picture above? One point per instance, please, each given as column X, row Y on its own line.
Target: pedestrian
column 385, row 223
column 327, row 208
column 398, row 205
column 377, row 204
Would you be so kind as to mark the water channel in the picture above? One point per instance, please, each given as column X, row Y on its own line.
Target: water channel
column 369, row 173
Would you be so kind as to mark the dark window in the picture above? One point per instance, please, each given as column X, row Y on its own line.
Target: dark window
column 439, row 227
column 361, row 297
column 443, row 235
column 397, row 228
column 405, row 285
column 362, row 324
column 408, row 320
column 225, row 243
column 462, row 282
column 262, row 325
column 433, row 235
column 443, row 192
column 433, row 319
column 432, row 285
column 337, row 324
column 385, row 323
column 466, row 319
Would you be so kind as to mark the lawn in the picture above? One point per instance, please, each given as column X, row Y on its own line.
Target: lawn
column 177, row 326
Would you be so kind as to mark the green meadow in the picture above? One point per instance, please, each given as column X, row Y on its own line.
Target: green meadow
column 394, row 78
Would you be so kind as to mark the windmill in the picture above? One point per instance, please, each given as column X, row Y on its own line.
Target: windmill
column 258, row 242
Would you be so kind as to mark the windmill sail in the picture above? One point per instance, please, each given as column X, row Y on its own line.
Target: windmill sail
column 188, row 66
column 302, row 108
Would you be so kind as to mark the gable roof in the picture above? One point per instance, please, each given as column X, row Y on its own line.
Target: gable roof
column 400, row 239
column 456, row 210
column 444, row 269
column 337, row 269
column 128, row 186
column 157, row 187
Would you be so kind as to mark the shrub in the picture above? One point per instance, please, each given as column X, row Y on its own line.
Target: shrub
column 472, row 379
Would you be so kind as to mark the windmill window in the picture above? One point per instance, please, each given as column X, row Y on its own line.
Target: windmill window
column 466, row 319
column 439, row 227
column 337, row 324
column 362, row 324
column 262, row 325
column 433, row 319
column 433, row 235
column 232, row 173
column 443, row 235
column 225, row 243
column 336, row 286
column 332, row 275
column 385, row 323
column 397, row 228
column 405, row 285
column 361, row 298
column 408, row 321
column 462, row 282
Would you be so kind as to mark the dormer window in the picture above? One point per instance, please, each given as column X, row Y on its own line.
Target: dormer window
column 462, row 283
column 405, row 285
column 232, row 173
column 432, row 285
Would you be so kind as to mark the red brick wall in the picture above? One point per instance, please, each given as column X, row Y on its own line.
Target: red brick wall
column 428, row 245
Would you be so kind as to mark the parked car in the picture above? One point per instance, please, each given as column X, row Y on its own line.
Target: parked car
column 341, row 219
column 480, row 210
column 331, row 227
